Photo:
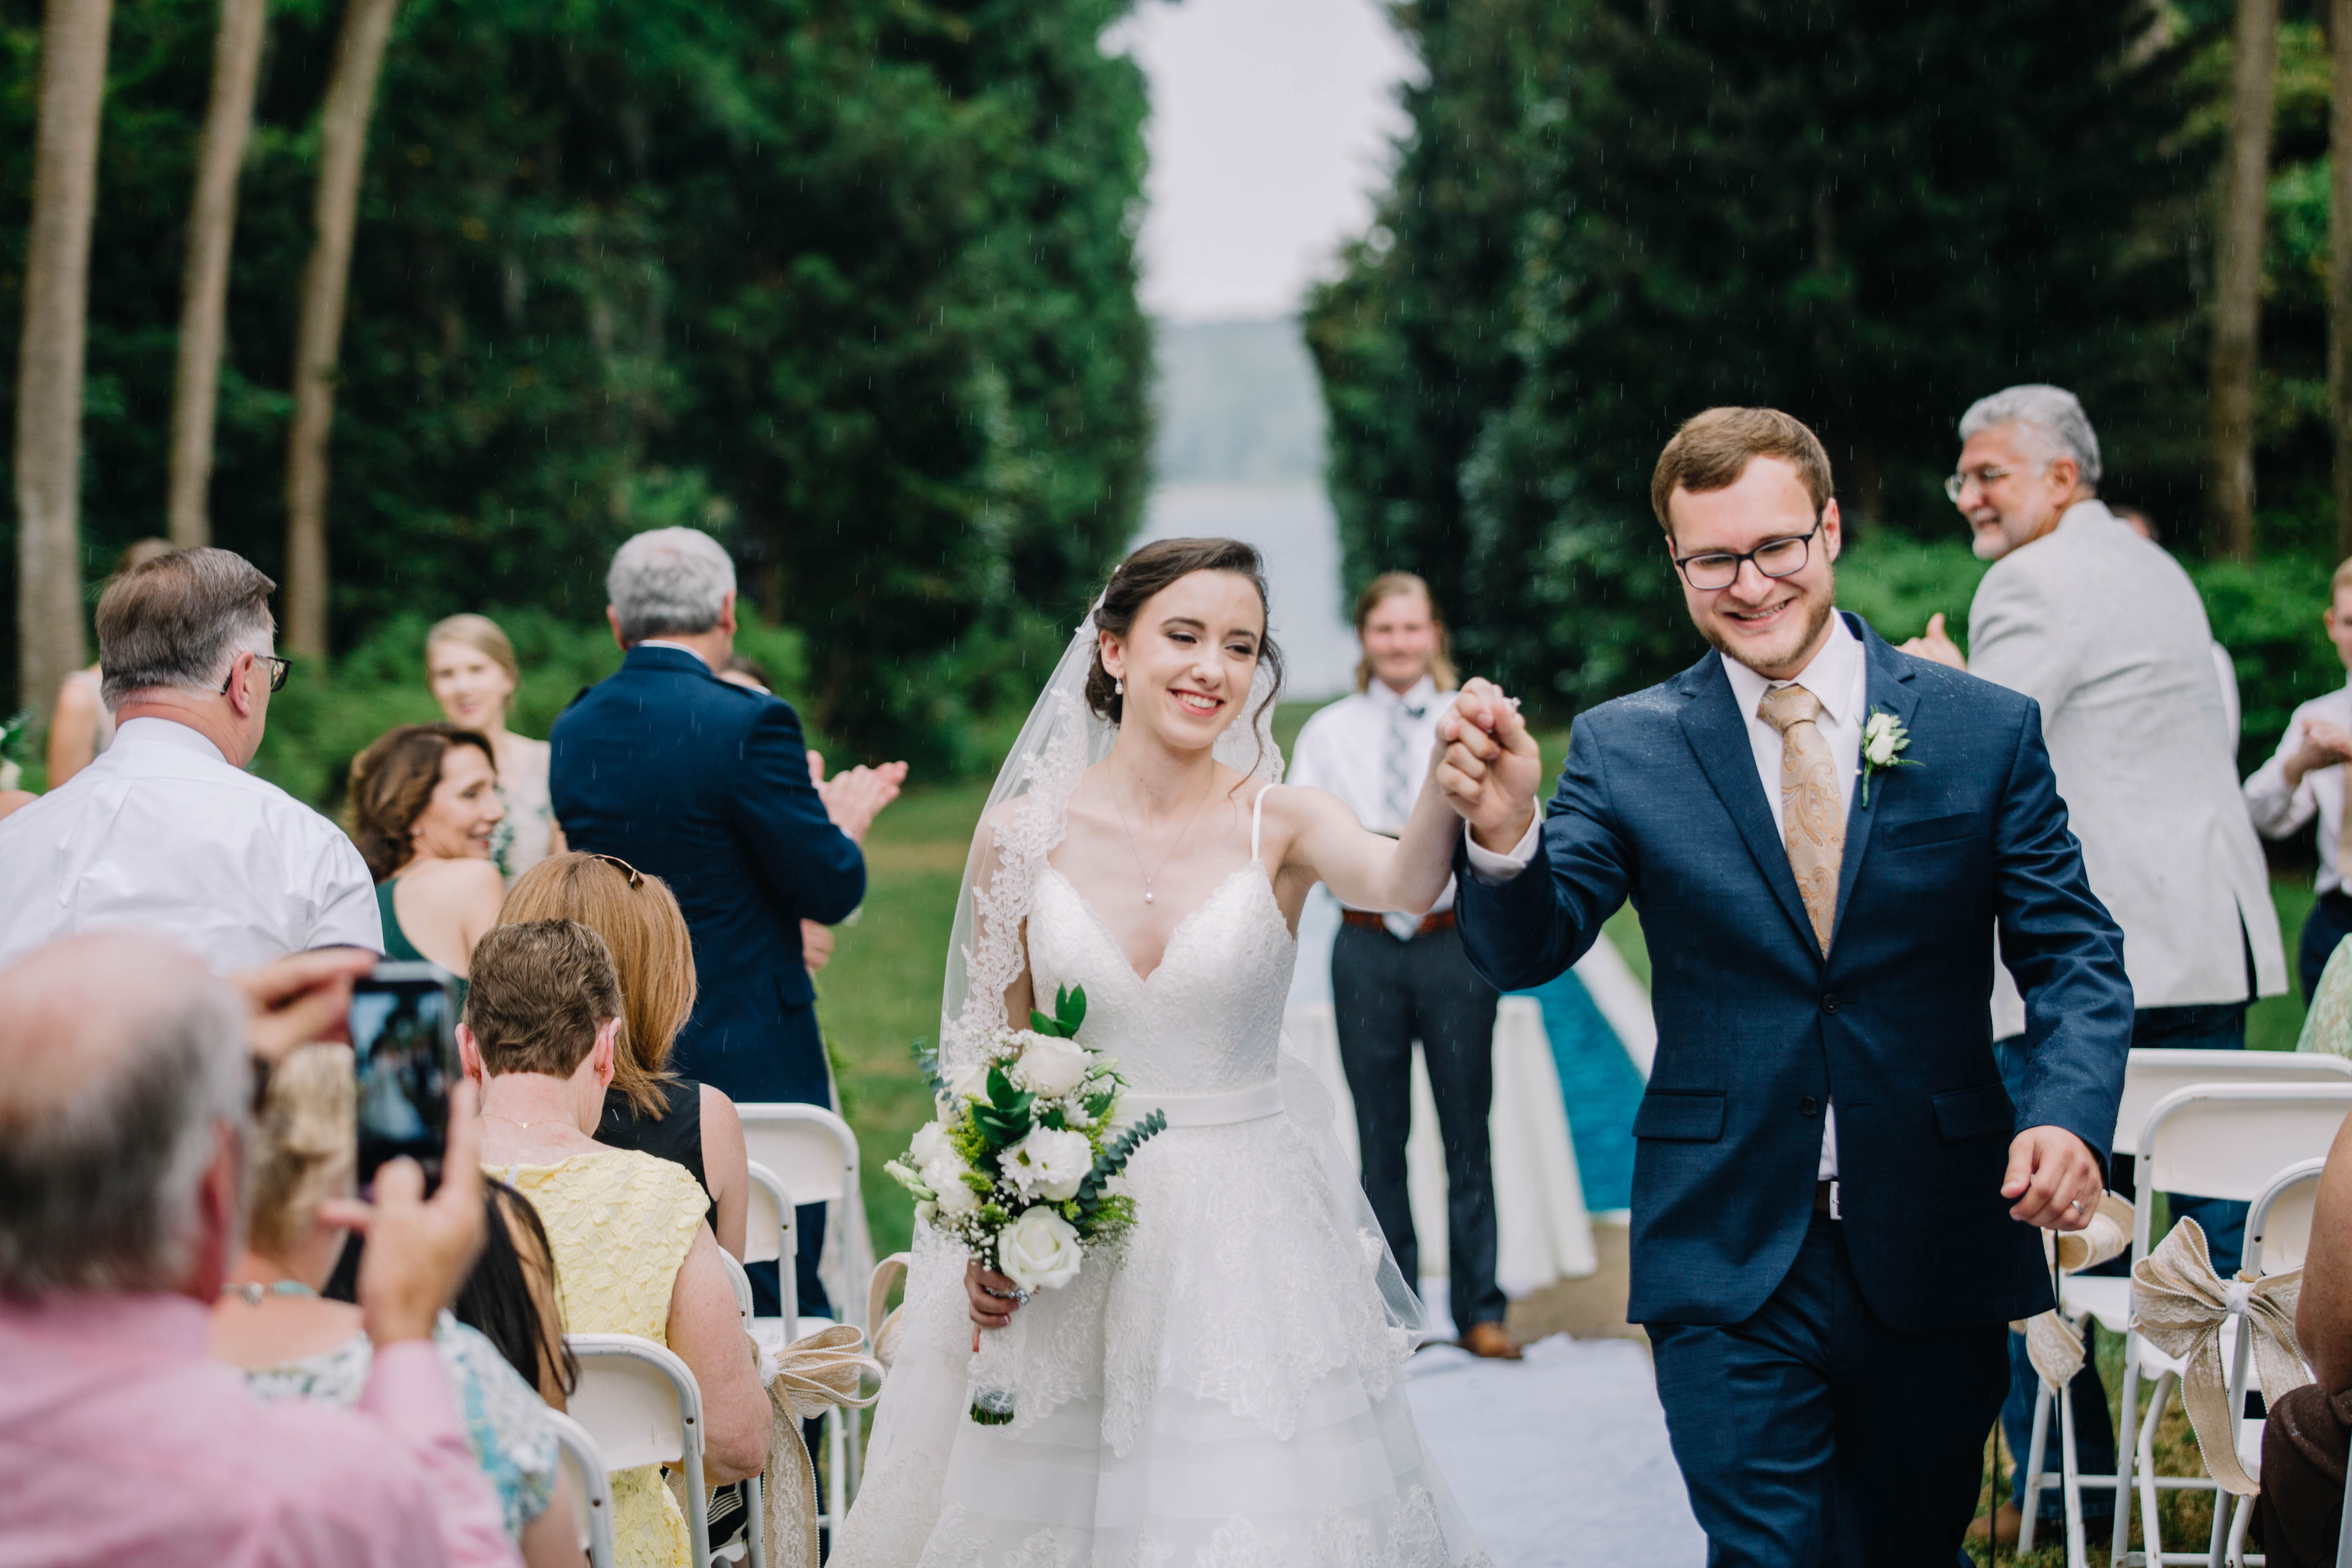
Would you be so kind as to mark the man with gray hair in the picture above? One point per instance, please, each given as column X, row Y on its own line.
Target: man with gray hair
column 125, row 1081
column 707, row 785
column 2106, row 631
column 166, row 829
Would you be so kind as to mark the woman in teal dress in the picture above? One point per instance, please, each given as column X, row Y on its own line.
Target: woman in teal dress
column 424, row 807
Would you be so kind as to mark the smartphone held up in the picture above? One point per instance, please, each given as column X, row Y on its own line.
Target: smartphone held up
column 404, row 1025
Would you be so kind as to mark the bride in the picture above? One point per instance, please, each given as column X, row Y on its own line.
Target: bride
column 1226, row 1390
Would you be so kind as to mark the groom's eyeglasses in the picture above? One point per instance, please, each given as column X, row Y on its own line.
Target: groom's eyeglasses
column 278, row 668
column 1774, row 558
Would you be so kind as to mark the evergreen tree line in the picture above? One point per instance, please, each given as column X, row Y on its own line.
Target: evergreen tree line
column 848, row 283
column 1611, row 214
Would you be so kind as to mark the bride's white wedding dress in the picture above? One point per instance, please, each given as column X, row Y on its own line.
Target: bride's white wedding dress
column 1228, row 1392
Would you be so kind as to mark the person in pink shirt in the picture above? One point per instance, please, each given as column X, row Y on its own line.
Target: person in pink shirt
column 125, row 1087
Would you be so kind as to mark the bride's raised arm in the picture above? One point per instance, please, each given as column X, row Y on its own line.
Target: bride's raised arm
column 1370, row 870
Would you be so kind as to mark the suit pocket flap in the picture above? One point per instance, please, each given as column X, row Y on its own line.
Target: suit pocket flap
column 1975, row 1113
column 1933, row 830
column 1681, row 1118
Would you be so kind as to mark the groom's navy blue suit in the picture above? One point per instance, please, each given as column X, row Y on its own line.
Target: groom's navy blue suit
column 1822, row 1378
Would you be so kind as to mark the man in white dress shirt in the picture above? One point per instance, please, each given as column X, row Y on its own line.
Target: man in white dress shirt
column 166, row 830
column 2099, row 625
column 2305, row 779
column 1396, row 978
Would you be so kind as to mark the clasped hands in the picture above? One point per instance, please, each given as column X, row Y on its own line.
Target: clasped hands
column 1489, row 771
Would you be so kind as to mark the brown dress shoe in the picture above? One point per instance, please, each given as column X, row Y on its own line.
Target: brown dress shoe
column 1488, row 1340
column 2002, row 1524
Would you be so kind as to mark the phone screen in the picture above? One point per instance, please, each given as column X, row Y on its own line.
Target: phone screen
column 403, row 1022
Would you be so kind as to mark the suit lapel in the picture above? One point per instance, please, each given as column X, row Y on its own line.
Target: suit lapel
column 1717, row 734
column 1887, row 686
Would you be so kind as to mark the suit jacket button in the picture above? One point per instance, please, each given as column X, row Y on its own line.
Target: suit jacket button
column 1829, row 1001
column 1809, row 1106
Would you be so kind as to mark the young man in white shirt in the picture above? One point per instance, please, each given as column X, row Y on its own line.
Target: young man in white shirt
column 2304, row 778
column 166, row 830
column 1395, row 978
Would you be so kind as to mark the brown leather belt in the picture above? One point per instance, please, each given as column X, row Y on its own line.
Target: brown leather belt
column 1430, row 926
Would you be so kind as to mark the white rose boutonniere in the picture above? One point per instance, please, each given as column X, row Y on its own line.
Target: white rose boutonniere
column 1883, row 741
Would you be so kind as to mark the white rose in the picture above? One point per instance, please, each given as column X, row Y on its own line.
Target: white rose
column 1048, row 1163
column 945, row 1177
column 971, row 1084
column 1039, row 1252
column 929, row 1146
column 1053, row 1066
column 1878, row 739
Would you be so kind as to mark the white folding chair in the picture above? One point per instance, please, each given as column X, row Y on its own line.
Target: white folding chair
column 641, row 1405
column 755, row 1502
column 592, row 1490
column 2149, row 1077
column 2214, row 1141
column 2278, row 1234
column 769, row 1236
column 813, row 1155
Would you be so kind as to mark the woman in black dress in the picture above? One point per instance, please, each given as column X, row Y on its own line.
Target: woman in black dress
column 648, row 1107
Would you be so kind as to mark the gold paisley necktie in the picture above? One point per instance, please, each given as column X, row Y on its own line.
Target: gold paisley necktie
column 1812, row 814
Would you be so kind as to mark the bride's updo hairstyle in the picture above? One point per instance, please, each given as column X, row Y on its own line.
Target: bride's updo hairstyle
column 1145, row 573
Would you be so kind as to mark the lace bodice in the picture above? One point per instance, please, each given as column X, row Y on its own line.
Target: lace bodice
column 1210, row 1017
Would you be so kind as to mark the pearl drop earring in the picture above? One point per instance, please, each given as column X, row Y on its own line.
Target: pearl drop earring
column 1119, row 687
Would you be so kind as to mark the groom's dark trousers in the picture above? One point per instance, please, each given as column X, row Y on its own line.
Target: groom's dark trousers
column 1829, row 1384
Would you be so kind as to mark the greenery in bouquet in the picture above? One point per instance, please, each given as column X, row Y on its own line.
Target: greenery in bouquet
column 13, row 729
column 1020, row 1164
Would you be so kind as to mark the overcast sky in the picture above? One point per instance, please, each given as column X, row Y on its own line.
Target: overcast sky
column 1271, row 128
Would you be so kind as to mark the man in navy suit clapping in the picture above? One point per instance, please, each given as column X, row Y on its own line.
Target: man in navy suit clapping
column 707, row 785
column 1834, row 1197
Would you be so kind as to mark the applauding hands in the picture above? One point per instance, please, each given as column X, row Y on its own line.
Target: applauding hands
column 1491, row 768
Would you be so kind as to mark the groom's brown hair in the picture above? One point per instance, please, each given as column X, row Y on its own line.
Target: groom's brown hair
column 1714, row 449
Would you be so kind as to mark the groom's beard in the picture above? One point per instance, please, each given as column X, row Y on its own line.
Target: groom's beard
column 1817, row 615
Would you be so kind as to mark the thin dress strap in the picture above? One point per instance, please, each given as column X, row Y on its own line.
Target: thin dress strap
column 1258, row 816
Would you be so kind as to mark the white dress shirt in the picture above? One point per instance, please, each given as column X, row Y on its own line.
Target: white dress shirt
column 2278, row 811
column 1344, row 749
column 162, row 833
column 1840, row 676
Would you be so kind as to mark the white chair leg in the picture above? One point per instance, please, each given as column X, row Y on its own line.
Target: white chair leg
column 2127, row 1456
column 2225, row 1532
column 837, row 1451
column 2036, row 1453
column 2240, row 1517
column 755, row 1528
column 2151, row 1533
column 2071, row 1481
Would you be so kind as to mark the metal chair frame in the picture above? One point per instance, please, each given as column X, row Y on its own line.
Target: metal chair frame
column 577, row 1455
column 595, row 1352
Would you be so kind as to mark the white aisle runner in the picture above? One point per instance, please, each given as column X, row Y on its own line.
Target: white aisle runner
column 1561, row 1460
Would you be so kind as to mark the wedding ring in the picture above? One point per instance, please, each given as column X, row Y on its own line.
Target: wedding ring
column 2076, row 1206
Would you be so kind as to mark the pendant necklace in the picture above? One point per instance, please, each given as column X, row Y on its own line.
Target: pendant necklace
column 494, row 1116
column 1151, row 877
column 254, row 1290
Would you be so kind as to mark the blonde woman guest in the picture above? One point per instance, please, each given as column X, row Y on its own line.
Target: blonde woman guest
column 649, row 1107
column 423, row 805
column 543, row 1025
column 470, row 667
column 293, row 1344
column 82, row 725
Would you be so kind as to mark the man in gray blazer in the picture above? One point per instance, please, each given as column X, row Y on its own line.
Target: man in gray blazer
column 2105, row 630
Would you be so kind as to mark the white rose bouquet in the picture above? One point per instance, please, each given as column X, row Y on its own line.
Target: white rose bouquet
column 1019, row 1166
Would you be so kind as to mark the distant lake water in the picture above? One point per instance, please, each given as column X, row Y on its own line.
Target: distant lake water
column 1292, row 527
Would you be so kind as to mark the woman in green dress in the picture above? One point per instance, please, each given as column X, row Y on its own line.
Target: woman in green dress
column 425, row 806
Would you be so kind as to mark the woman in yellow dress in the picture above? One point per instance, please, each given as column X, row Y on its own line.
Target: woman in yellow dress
column 633, row 1255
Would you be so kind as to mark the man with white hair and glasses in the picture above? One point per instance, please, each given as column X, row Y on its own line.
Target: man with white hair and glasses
column 167, row 830
column 2106, row 631
column 680, row 774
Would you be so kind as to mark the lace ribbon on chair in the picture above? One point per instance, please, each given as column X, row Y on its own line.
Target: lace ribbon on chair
column 2178, row 1305
column 2053, row 1343
column 824, row 1369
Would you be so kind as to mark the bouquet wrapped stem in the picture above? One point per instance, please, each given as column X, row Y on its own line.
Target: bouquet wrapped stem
column 1022, row 1166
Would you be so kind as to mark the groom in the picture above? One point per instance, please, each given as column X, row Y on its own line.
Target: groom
column 1835, row 1199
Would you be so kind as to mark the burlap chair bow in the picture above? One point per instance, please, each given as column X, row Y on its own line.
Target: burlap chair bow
column 2053, row 1343
column 810, row 1376
column 2178, row 1305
